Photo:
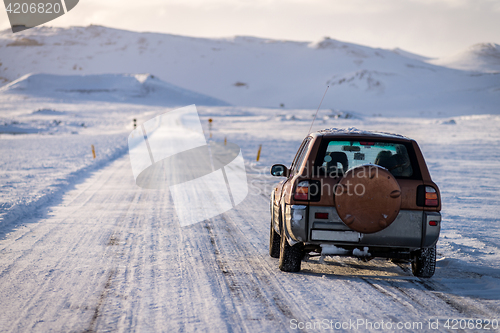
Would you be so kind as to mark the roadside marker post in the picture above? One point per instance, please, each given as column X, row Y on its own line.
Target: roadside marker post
column 258, row 152
column 210, row 126
column 93, row 151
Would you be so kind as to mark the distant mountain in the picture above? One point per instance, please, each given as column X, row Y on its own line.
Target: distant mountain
column 483, row 58
column 251, row 71
column 410, row 55
column 138, row 88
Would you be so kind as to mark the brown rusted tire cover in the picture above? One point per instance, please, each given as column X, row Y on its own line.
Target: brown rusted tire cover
column 368, row 198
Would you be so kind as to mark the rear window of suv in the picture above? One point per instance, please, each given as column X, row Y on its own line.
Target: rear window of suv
column 335, row 158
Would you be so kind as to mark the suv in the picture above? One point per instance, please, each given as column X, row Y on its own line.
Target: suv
column 356, row 193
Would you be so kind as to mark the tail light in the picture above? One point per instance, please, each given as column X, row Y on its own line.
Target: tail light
column 427, row 196
column 431, row 197
column 321, row 216
column 301, row 191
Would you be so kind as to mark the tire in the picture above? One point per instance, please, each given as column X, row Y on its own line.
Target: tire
column 274, row 242
column 424, row 262
column 290, row 256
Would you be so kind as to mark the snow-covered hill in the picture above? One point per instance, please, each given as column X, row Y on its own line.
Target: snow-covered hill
column 124, row 88
column 259, row 72
column 484, row 57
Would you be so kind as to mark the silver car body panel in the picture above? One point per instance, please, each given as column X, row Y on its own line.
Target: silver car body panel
column 407, row 231
column 431, row 228
column 296, row 223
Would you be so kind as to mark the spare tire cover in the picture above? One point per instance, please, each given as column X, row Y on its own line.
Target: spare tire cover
column 368, row 198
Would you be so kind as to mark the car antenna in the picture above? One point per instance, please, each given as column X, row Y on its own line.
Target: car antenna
column 318, row 110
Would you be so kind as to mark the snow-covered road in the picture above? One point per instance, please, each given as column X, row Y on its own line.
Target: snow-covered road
column 110, row 256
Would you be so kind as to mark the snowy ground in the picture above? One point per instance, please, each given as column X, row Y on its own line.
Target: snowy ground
column 82, row 248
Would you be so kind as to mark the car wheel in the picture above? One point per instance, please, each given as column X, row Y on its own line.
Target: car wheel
column 290, row 256
column 274, row 242
column 424, row 262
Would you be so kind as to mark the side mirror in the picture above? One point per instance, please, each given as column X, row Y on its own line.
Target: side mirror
column 279, row 170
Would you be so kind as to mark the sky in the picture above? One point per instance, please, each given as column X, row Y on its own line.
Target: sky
column 433, row 28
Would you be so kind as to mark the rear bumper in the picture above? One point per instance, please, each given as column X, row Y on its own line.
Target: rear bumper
column 411, row 230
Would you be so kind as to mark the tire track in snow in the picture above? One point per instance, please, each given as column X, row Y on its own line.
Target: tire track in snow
column 464, row 306
column 114, row 240
column 435, row 290
column 159, row 275
column 213, row 276
column 31, row 254
column 423, row 300
column 240, row 288
column 242, row 282
column 389, row 294
column 100, row 302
